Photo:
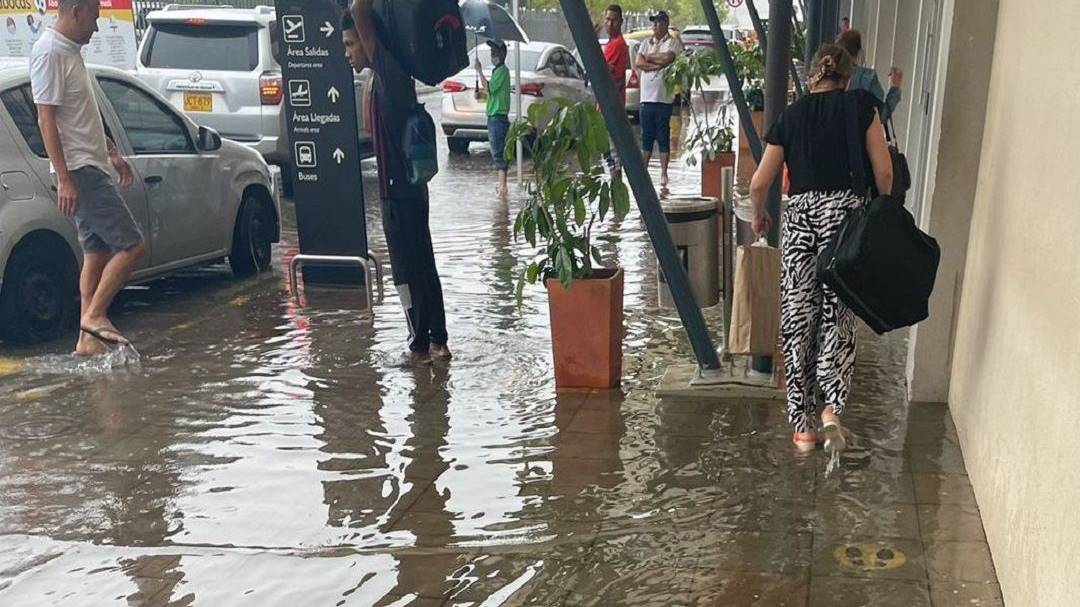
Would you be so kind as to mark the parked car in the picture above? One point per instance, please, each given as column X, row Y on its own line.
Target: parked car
column 218, row 66
column 633, row 85
column 197, row 198
column 547, row 70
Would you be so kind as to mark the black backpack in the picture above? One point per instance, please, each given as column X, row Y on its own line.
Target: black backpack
column 879, row 263
column 427, row 37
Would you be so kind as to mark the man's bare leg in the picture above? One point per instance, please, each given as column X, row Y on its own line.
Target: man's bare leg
column 93, row 266
column 665, row 159
column 113, row 277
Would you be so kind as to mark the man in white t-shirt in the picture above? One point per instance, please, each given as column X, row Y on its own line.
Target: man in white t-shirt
column 82, row 158
column 654, row 55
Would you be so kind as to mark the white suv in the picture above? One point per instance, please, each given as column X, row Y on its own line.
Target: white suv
column 217, row 65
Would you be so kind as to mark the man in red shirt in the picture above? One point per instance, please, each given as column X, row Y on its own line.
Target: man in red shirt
column 616, row 53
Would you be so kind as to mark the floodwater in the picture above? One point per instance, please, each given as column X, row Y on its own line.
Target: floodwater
column 268, row 454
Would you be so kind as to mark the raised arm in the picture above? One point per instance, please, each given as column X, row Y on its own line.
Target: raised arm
column 361, row 13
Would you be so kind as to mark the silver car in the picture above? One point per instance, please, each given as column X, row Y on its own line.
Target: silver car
column 547, row 70
column 196, row 197
column 219, row 66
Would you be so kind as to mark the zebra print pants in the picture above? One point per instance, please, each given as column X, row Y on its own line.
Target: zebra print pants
column 816, row 329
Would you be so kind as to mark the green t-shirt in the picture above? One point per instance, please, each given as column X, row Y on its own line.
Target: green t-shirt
column 498, row 102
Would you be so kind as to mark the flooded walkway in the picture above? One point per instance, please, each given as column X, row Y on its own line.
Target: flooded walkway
column 271, row 455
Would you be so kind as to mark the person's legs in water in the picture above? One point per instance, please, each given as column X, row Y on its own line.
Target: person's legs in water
column 663, row 140
column 800, row 310
column 836, row 352
column 429, row 303
column 113, row 245
column 399, row 218
column 93, row 265
column 648, row 131
column 498, row 128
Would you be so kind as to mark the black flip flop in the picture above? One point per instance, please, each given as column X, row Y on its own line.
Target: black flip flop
column 98, row 334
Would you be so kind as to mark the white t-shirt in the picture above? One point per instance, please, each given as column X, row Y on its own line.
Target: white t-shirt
column 58, row 77
column 653, row 89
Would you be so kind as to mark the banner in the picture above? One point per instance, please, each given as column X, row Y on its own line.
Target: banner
column 113, row 44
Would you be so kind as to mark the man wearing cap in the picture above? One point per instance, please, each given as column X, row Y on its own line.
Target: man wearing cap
column 498, row 107
column 654, row 56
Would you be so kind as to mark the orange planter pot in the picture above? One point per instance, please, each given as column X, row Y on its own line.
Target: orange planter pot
column 711, row 174
column 587, row 330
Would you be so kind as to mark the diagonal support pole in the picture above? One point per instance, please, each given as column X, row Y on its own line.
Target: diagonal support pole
column 633, row 165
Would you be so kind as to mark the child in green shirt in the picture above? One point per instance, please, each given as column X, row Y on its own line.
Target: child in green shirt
column 498, row 108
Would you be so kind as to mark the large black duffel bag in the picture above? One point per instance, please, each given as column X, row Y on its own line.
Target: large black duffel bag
column 426, row 36
column 879, row 263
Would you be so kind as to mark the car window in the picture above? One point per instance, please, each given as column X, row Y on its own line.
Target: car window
column 576, row 71
column 529, row 59
column 20, row 106
column 558, row 64
column 233, row 48
column 152, row 128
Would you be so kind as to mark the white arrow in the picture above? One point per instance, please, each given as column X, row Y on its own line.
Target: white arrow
column 326, row 28
column 333, row 94
column 339, row 155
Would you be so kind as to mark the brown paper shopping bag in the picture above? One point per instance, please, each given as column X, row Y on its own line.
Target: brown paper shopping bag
column 755, row 305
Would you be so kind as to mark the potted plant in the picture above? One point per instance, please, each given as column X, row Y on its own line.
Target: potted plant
column 712, row 136
column 750, row 66
column 569, row 194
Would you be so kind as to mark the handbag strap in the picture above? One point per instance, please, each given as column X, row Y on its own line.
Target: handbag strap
column 855, row 156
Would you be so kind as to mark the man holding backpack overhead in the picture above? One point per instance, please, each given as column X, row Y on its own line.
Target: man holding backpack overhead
column 403, row 198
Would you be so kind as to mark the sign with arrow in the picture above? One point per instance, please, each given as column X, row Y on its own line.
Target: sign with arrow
column 329, row 196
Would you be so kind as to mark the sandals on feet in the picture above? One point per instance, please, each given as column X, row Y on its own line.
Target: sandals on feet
column 805, row 442
column 100, row 334
column 834, row 434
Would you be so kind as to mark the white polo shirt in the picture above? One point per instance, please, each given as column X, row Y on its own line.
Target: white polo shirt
column 58, row 77
column 653, row 89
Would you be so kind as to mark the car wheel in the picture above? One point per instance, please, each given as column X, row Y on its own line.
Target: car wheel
column 252, row 237
column 458, row 145
column 37, row 302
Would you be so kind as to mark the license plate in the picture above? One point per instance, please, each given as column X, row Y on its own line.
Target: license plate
column 198, row 102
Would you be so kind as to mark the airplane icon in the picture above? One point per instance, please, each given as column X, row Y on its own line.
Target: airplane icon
column 300, row 93
column 293, row 28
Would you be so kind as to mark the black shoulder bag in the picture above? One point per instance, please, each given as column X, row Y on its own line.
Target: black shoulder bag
column 879, row 263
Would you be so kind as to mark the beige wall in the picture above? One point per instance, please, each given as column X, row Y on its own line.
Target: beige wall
column 1015, row 392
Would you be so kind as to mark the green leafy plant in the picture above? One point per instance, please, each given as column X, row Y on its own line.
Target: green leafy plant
column 712, row 134
column 750, row 67
column 564, row 201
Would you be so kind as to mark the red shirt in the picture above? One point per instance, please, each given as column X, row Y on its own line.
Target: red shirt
column 617, row 57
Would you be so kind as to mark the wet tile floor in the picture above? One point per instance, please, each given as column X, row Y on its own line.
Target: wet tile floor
column 273, row 455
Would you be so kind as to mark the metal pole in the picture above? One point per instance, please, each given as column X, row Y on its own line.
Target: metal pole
column 763, row 39
column 517, row 97
column 813, row 29
column 733, row 79
column 633, row 165
column 830, row 20
column 727, row 221
column 776, row 87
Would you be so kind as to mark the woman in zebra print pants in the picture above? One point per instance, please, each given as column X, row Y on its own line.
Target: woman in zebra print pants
column 817, row 330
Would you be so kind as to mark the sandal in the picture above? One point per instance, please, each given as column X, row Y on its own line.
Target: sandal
column 805, row 442
column 99, row 334
column 834, row 434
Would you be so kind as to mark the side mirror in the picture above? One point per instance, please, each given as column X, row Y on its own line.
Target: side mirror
column 209, row 140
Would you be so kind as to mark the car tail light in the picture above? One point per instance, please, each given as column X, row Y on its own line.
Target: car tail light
column 634, row 81
column 536, row 89
column 453, row 86
column 195, row 21
column 270, row 89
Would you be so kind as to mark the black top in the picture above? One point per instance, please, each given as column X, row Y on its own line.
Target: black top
column 393, row 101
column 813, row 133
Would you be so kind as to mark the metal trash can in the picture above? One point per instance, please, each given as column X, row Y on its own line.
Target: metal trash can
column 694, row 225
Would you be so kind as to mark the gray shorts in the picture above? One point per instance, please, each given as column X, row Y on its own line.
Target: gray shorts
column 104, row 222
